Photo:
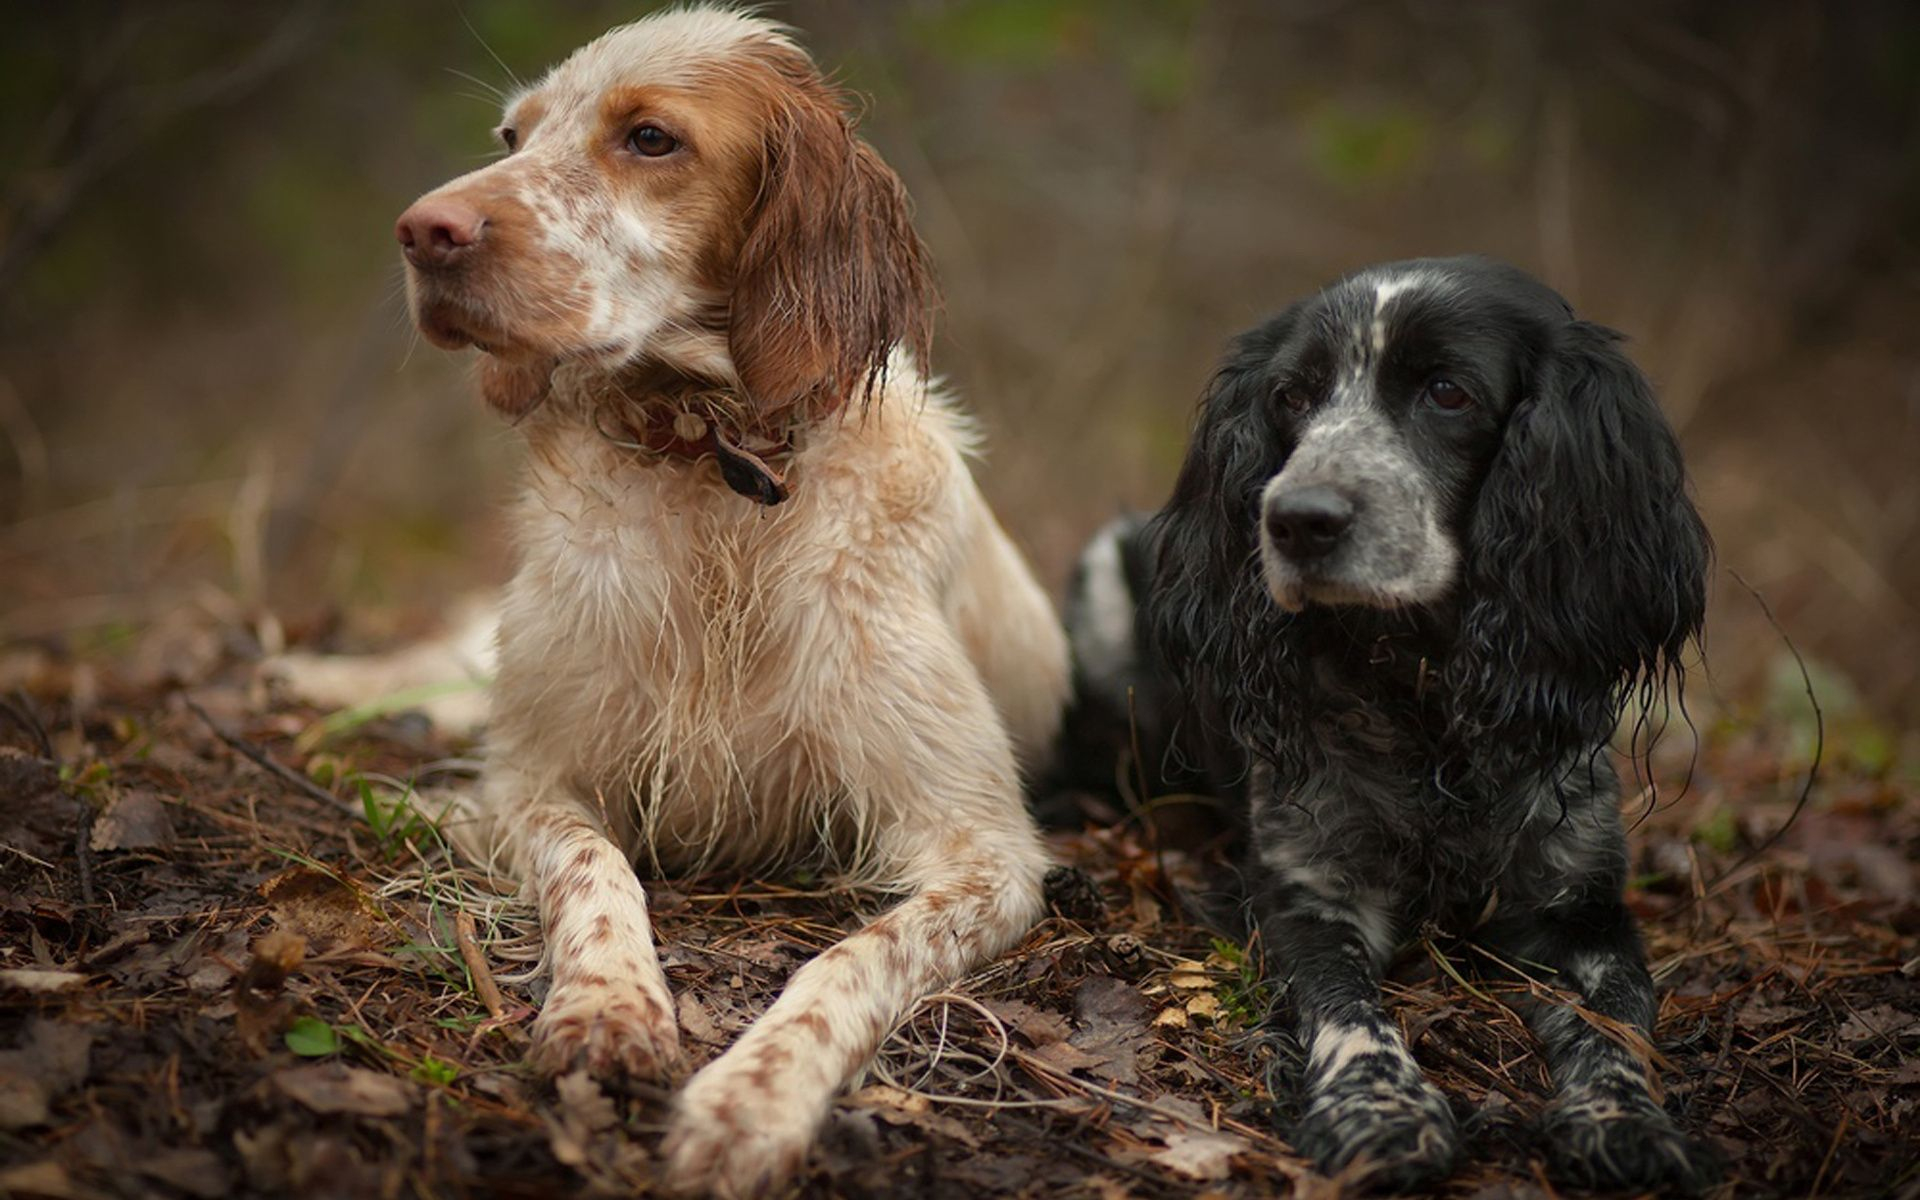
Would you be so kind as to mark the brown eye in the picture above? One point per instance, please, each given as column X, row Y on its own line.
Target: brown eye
column 1448, row 395
column 1295, row 399
column 651, row 141
column 510, row 138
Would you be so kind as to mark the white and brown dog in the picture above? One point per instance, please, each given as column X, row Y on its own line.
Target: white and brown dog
column 762, row 614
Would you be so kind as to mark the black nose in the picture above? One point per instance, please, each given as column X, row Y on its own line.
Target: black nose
column 1308, row 523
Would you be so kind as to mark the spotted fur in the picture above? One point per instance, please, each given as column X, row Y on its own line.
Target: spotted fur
column 685, row 679
column 1431, row 537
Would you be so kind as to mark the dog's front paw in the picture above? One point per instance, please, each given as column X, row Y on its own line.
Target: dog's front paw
column 1624, row 1143
column 1392, row 1138
column 611, row 1031
column 734, row 1135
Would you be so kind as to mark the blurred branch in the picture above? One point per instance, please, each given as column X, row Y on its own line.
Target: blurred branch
column 29, row 448
column 962, row 277
column 1555, row 192
column 102, row 121
column 112, row 514
column 329, row 449
column 1098, row 348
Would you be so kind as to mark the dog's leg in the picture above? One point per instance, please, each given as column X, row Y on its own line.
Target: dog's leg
column 920, row 739
column 747, row 1120
column 607, row 1007
column 1605, row 1130
column 1368, row 1106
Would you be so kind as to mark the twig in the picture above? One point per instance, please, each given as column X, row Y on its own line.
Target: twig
column 83, row 856
column 1819, row 745
column 1042, row 1067
column 258, row 757
column 35, row 859
column 21, row 710
column 482, row 974
column 1839, row 1131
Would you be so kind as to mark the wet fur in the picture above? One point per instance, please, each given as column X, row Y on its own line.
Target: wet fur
column 686, row 678
column 1434, row 749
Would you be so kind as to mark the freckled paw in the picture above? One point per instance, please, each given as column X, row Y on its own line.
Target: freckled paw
column 732, row 1146
column 1608, row 1144
column 1397, row 1140
column 627, row 1035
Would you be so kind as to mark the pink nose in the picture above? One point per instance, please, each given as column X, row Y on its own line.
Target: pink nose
column 439, row 232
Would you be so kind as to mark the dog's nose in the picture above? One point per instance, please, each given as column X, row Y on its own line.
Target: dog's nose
column 439, row 231
column 1309, row 522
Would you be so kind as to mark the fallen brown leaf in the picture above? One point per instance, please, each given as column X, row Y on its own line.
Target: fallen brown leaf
column 338, row 1088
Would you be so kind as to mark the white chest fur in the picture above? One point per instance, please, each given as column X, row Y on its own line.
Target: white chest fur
column 685, row 656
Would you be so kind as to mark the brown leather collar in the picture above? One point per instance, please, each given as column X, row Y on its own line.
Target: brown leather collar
column 745, row 460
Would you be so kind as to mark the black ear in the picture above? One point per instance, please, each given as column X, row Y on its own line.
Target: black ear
column 1206, row 599
column 1586, row 564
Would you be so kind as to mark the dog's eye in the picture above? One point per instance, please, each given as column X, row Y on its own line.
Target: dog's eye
column 1448, row 395
column 1295, row 399
column 651, row 141
column 510, row 138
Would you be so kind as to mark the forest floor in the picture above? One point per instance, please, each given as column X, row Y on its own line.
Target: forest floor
column 219, row 977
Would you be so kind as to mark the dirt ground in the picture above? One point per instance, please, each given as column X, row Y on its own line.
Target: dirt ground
column 236, row 959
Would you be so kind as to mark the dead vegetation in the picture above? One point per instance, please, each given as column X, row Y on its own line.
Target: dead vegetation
column 238, row 961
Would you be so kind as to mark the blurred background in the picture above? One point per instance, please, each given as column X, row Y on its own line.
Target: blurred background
column 212, row 405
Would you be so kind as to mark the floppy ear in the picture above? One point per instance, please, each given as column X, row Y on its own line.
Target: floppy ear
column 1208, row 615
column 1586, row 565
column 831, row 276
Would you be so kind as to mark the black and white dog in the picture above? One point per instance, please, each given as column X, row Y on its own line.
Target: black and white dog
column 1431, row 538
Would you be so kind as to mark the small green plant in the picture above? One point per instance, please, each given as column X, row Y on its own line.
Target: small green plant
column 310, row 1037
column 347, row 720
column 1718, row 831
column 90, row 781
column 395, row 821
column 1244, row 997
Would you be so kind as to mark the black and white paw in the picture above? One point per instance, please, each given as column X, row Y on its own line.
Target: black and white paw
column 1613, row 1143
column 1388, row 1138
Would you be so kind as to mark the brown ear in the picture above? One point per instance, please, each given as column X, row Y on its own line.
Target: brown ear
column 831, row 276
column 515, row 388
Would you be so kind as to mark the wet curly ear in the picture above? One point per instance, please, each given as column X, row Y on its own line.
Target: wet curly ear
column 515, row 389
column 832, row 276
column 1586, row 565
column 1208, row 613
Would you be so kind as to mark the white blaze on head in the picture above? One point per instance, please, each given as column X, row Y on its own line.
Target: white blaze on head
column 1383, row 292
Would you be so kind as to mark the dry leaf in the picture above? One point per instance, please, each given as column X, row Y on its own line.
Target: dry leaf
column 1171, row 1018
column 194, row 1171
column 1882, row 1021
column 584, row 1102
column 327, row 910
column 1199, row 1153
column 1190, row 976
column 34, row 979
column 1065, row 1056
column 584, row 1110
column 901, row 1108
column 136, row 819
column 53, row 1057
column 695, row 1022
column 338, row 1088
column 1037, row 1025
column 45, row 1178
column 1205, row 1006
column 1113, row 1028
column 1755, row 1014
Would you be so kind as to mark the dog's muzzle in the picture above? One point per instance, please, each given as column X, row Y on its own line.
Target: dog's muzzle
column 1305, row 525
